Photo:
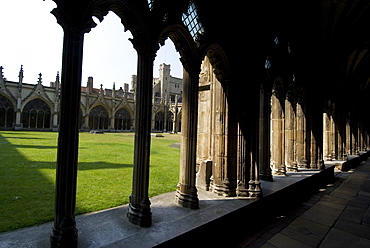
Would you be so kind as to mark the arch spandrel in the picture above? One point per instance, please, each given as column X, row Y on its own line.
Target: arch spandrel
column 219, row 61
column 185, row 45
column 10, row 99
column 77, row 16
column 278, row 88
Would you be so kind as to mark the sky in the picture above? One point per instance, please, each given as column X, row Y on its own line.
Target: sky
column 30, row 36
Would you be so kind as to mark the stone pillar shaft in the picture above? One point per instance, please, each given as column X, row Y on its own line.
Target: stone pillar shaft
column 264, row 138
column 313, row 147
column 186, row 194
column 224, row 179
column 326, row 136
column 277, row 136
column 139, row 208
column 301, row 137
column 64, row 232
column 348, row 138
column 290, row 162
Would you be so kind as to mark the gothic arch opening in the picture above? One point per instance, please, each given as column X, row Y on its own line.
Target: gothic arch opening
column 159, row 121
column 108, row 44
column 167, row 87
column 122, row 120
column 6, row 113
column 36, row 114
column 99, row 118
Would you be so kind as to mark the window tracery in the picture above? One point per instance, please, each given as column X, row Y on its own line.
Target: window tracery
column 122, row 120
column 6, row 112
column 150, row 3
column 98, row 118
column 36, row 114
column 191, row 20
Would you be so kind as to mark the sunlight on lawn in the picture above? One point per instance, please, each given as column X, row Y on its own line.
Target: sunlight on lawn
column 27, row 173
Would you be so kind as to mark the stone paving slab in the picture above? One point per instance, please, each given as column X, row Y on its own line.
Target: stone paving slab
column 336, row 216
column 338, row 239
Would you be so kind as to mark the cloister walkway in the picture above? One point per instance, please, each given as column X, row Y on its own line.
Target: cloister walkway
column 335, row 216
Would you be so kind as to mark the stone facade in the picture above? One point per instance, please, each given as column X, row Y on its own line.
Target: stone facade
column 25, row 106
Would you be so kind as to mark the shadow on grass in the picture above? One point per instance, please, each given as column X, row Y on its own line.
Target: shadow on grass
column 26, row 195
column 35, row 147
column 27, row 186
column 101, row 165
column 30, row 138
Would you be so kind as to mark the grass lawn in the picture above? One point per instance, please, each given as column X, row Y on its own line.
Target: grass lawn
column 27, row 173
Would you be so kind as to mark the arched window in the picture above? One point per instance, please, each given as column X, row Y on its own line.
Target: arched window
column 169, row 126
column 36, row 114
column 6, row 112
column 122, row 120
column 159, row 121
column 99, row 118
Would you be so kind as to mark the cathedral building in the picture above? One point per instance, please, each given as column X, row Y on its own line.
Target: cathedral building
column 25, row 106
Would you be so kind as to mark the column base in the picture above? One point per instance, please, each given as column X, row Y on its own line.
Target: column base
column 279, row 171
column 65, row 238
column 221, row 190
column 266, row 176
column 313, row 166
column 254, row 190
column 187, row 200
column 140, row 216
column 303, row 164
column 292, row 167
column 226, row 189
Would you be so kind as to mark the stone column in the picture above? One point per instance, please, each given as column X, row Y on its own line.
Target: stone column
column 359, row 135
column 290, row 162
column 277, row 136
column 353, row 127
column 186, row 194
column 326, row 136
column 313, row 145
column 254, row 189
column 139, row 209
column 333, row 154
column 64, row 232
column 224, row 182
column 243, row 176
column 348, row 138
column 301, row 136
column 264, row 137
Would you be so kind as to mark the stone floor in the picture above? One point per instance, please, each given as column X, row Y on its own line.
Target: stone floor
column 336, row 216
column 329, row 218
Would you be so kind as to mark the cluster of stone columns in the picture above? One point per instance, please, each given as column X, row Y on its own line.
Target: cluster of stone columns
column 343, row 135
column 227, row 154
column 295, row 138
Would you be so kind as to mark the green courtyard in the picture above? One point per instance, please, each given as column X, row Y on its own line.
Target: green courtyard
column 27, row 173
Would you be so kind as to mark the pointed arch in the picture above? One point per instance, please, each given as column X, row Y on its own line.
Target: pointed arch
column 99, row 117
column 123, row 119
column 36, row 114
column 7, row 112
column 184, row 44
column 219, row 61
